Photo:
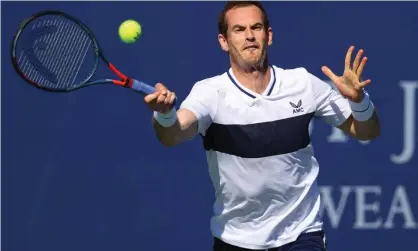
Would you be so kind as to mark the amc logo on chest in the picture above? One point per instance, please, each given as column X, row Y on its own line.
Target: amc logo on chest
column 297, row 108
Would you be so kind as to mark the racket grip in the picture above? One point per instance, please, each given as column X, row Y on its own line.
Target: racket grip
column 145, row 88
column 142, row 87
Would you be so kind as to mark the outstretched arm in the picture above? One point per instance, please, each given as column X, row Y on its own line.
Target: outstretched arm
column 171, row 126
column 362, row 130
column 184, row 128
column 364, row 123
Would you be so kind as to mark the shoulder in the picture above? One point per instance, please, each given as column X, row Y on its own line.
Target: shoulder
column 300, row 76
column 293, row 79
column 206, row 89
column 211, row 83
column 210, row 86
column 292, row 74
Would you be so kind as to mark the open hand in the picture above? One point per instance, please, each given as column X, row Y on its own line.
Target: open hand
column 161, row 100
column 349, row 83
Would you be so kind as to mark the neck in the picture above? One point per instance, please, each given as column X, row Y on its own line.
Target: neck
column 255, row 78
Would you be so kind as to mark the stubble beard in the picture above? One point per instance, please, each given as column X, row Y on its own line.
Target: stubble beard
column 252, row 65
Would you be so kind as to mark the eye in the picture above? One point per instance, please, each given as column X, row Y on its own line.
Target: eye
column 257, row 27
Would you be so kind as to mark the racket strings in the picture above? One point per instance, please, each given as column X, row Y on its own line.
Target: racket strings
column 56, row 53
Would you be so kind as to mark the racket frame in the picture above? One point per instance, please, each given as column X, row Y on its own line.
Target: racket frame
column 124, row 81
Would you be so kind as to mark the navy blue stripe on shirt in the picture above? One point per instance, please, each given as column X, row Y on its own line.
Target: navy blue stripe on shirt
column 260, row 139
column 235, row 83
column 249, row 94
column 274, row 81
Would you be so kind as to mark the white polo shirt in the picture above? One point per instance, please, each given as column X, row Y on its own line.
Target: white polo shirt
column 260, row 156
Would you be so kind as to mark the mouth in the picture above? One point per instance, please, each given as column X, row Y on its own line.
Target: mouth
column 251, row 47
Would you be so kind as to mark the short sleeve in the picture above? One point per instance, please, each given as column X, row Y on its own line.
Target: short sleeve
column 331, row 106
column 202, row 102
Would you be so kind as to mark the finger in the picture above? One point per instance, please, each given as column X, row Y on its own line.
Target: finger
column 160, row 87
column 327, row 71
column 167, row 98
column 348, row 57
column 173, row 97
column 357, row 60
column 151, row 97
column 161, row 99
column 361, row 67
column 365, row 83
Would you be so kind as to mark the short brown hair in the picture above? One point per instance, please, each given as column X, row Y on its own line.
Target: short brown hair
column 222, row 22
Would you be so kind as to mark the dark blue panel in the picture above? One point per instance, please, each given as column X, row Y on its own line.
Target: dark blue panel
column 84, row 170
column 265, row 138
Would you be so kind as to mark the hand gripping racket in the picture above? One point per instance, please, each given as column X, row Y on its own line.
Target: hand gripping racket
column 56, row 52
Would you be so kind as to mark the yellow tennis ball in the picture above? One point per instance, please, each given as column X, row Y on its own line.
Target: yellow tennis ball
column 129, row 31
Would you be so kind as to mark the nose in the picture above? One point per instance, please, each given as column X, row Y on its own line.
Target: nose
column 249, row 35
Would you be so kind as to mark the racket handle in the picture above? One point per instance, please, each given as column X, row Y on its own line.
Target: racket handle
column 142, row 87
column 145, row 88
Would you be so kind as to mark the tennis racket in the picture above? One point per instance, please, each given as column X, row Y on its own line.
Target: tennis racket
column 57, row 52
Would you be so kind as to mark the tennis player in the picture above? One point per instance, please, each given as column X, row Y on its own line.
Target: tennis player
column 254, row 121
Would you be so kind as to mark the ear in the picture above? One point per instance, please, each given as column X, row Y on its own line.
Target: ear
column 270, row 36
column 223, row 43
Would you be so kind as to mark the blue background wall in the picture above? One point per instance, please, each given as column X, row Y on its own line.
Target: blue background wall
column 84, row 171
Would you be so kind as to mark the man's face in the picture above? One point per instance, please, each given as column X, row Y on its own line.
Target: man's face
column 246, row 40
